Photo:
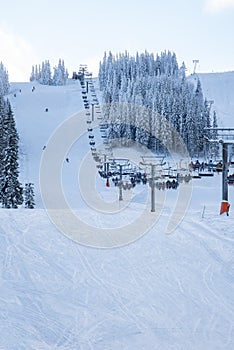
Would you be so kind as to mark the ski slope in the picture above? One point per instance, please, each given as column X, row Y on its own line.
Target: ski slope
column 219, row 88
column 162, row 291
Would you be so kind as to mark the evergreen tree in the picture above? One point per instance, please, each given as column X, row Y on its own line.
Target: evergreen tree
column 37, row 73
column 60, row 74
column 32, row 76
column 3, row 135
column 11, row 191
column 45, row 76
column 4, row 80
column 29, row 196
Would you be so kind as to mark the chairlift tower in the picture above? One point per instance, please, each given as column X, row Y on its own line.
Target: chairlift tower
column 92, row 104
column 153, row 162
column 225, row 136
column 120, row 164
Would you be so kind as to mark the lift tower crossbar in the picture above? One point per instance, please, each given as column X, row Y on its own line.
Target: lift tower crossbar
column 225, row 136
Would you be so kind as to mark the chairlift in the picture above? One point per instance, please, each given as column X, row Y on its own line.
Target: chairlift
column 196, row 177
column 230, row 179
column 203, row 174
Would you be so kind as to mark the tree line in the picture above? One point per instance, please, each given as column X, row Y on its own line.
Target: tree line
column 152, row 89
column 43, row 74
column 12, row 192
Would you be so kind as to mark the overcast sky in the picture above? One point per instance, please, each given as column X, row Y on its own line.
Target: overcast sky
column 80, row 32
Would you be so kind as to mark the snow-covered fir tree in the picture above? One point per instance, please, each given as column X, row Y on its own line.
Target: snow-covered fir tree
column 60, row 74
column 160, row 85
column 4, row 80
column 11, row 191
column 29, row 196
column 33, row 75
column 45, row 76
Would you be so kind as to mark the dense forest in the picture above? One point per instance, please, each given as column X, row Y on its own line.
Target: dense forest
column 148, row 98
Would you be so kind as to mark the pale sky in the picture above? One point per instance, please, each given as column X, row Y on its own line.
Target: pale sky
column 79, row 32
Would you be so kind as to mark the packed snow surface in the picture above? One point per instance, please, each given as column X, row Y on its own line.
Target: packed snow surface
column 160, row 292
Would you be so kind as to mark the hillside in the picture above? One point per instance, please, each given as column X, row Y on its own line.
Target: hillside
column 35, row 125
column 219, row 87
column 162, row 291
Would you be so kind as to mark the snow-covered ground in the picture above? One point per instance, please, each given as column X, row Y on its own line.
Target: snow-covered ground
column 160, row 292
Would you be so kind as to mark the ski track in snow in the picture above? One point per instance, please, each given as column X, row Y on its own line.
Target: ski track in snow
column 144, row 286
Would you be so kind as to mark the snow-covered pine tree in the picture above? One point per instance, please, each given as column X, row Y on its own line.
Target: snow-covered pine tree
column 32, row 76
column 29, row 196
column 201, row 117
column 11, row 191
column 37, row 72
column 3, row 135
column 4, row 80
column 60, row 74
column 102, row 72
column 45, row 78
